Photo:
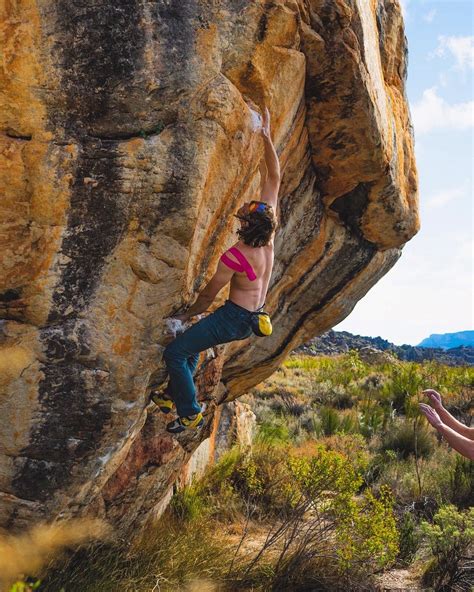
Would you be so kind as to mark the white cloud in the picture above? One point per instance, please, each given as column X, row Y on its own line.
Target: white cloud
column 421, row 295
column 444, row 79
column 465, row 253
column 432, row 112
column 429, row 16
column 447, row 195
column 461, row 48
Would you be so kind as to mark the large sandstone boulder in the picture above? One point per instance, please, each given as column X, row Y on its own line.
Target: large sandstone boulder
column 126, row 143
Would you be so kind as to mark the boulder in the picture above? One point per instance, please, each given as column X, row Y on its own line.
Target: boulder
column 126, row 143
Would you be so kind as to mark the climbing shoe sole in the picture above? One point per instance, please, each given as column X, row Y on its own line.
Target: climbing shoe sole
column 182, row 424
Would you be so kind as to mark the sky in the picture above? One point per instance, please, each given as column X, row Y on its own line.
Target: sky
column 430, row 289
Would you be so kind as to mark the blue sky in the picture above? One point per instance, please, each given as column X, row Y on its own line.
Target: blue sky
column 430, row 289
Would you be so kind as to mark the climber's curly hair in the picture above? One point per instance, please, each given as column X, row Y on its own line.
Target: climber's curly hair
column 260, row 227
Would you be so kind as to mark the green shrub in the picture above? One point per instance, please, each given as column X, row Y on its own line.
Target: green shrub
column 351, row 446
column 302, row 362
column 406, row 381
column 325, row 472
column 450, row 537
column 25, row 586
column 372, row 419
column 462, row 481
column 349, row 423
column 366, row 532
column 351, row 368
column 329, row 420
column 213, row 496
column 342, row 399
column 405, row 440
column 311, row 423
column 248, row 478
column 263, row 481
column 273, row 432
column 346, row 376
column 221, row 471
column 400, row 475
column 327, row 539
column 188, row 503
column 410, row 538
column 379, row 466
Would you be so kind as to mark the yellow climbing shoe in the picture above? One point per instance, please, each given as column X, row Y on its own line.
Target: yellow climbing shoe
column 164, row 402
column 194, row 422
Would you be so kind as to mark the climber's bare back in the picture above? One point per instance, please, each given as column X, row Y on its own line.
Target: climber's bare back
column 251, row 294
column 248, row 293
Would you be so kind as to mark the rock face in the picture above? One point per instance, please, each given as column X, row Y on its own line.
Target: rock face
column 126, row 143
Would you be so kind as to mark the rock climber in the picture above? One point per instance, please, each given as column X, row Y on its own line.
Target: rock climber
column 247, row 266
column 459, row 436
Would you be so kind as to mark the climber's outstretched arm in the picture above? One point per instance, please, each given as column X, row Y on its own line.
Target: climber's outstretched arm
column 207, row 296
column 271, row 185
column 262, row 167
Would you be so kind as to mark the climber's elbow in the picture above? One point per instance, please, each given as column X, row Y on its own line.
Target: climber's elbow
column 208, row 300
column 207, row 296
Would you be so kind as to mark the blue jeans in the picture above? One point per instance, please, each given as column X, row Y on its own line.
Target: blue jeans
column 230, row 322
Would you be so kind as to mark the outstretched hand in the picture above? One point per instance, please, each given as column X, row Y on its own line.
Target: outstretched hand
column 431, row 415
column 434, row 397
column 266, row 123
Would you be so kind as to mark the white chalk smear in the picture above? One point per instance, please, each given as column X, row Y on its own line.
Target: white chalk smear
column 174, row 326
column 256, row 120
column 105, row 459
column 129, row 405
column 102, row 461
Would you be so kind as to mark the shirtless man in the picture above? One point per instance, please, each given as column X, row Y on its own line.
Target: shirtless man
column 248, row 267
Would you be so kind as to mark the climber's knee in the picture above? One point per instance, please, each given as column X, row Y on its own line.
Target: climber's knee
column 173, row 356
column 168, row 354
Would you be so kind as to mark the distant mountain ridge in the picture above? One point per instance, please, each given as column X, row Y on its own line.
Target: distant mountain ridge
column 336, row 342
column 449, row 340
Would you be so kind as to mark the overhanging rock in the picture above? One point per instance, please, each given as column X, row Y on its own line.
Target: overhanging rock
column 126, row 143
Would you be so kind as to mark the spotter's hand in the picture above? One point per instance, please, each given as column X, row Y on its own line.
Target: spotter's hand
column 431, row 415
column 434, row 397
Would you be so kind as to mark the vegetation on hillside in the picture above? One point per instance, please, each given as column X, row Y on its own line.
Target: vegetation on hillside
column 345, row 480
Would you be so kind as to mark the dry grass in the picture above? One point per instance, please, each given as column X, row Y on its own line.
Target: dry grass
column 28, row 553
column 174, row 555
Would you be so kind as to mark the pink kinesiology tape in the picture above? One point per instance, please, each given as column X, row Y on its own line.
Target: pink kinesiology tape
column 242, row 266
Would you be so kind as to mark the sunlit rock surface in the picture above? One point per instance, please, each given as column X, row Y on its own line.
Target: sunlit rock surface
column 126, row 143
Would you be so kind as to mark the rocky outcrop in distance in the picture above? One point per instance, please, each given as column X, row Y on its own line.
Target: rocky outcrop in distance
column 338, row 342
column 126, row 143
